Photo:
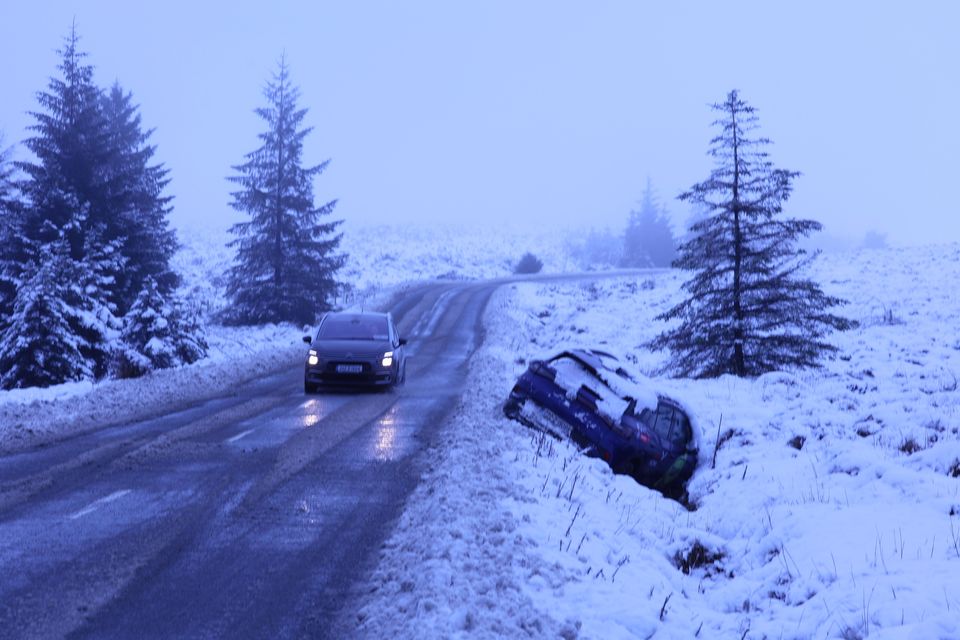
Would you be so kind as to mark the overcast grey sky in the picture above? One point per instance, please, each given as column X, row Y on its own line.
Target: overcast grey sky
column 535, row 111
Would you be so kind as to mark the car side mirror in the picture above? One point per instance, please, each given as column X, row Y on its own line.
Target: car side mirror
column 403, row 341
column 307, row 339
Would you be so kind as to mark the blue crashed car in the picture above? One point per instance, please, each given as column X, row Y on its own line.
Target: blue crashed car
column 586, row 396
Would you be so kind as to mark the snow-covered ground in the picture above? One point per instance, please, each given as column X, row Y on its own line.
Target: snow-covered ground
column 381, row 259
column 32, row 416
column 833, row 510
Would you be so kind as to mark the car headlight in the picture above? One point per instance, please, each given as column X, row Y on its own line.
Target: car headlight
column 387, row 360
column 313, row 359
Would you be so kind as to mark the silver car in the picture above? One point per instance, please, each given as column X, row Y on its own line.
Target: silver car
column 355, row 349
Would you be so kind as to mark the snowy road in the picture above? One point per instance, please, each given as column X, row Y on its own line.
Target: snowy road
column 246, row 515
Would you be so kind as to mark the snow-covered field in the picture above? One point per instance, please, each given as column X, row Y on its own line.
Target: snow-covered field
column 833, row 510
column 383, row 256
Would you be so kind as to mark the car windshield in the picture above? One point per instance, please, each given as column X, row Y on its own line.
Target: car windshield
column 353, row 327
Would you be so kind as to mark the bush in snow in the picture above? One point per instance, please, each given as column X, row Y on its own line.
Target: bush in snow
column 529, row 263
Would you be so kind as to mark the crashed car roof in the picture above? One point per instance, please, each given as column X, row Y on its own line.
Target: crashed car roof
column 606, row 368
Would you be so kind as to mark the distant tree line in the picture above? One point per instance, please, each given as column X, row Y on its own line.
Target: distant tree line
column 647, row 241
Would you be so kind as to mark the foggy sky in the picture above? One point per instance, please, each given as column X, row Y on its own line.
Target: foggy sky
column 534, row 111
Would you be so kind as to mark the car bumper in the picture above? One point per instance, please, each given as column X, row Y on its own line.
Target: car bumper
column 369, row 377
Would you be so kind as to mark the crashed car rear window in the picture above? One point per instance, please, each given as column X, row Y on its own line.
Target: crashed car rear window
column 669, row 423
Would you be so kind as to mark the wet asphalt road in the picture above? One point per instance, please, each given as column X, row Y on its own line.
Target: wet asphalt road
column 252, row 515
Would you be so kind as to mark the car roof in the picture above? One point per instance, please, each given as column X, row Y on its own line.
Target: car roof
column 607, row 370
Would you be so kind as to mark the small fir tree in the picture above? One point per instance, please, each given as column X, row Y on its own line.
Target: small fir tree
column 147, row 340
column 750, row 311
column 40, row 345
column 648, row 240
column 189, row 336
column 287, row 261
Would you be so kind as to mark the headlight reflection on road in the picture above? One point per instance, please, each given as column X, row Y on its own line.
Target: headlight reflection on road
column 385, row 444
column 313, row 411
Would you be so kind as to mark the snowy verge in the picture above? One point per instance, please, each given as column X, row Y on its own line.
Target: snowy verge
column 29, row 417
column 833, row 510
column 34, row 416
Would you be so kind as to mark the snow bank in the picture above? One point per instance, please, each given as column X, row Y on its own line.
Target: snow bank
column 833, row 510
column 31, row 416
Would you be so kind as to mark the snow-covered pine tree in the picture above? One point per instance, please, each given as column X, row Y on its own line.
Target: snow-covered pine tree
column 286, row 262
column 189, row 337
column 157, row 334
column 40, row 345
column 11, row 250
column 71, row 148
column 92, row 187
column 749, row 309
column 147, row 341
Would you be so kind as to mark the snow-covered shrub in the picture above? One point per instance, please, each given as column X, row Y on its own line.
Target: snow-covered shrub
column 529, row 263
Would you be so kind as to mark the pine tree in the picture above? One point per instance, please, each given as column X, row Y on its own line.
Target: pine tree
column 634, row 254
column 286, row 261
column 750, row 311
column 157, row 334
column 71, row 147
column 134, row 195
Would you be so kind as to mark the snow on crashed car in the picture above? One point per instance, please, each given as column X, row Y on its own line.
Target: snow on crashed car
column 586, row 396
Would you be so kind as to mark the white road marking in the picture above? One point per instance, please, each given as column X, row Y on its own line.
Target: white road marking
column 93, row 506
column 240, row 435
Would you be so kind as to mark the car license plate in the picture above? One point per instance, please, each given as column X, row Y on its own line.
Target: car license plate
column 349, row 368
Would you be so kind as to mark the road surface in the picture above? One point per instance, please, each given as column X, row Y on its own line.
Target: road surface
column 255, row 514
